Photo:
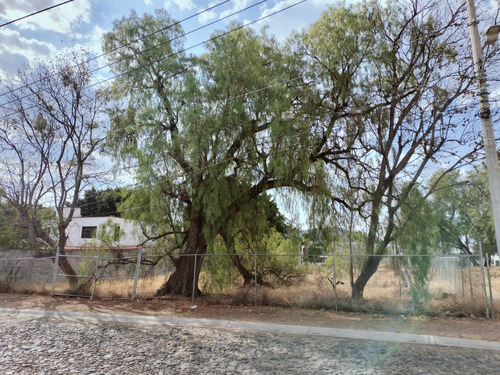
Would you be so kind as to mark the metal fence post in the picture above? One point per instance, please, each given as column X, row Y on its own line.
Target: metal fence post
column 455, row 275
column 410, row 274
column 484, row 281
column 335, row 281
column 470, row 277
column 194, row 276
column 462, row 279
column 96, row 273
column 412, row 297
column 492, row 306
column 255, row 270
column 30, row 270
column 54, row 275
column 137, row 271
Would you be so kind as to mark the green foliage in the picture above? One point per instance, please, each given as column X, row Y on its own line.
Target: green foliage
column 386, row 93
column 342, row 113
column 219, row 273
column 109, row 234
column 210, row 134
column 12, row 236
column 279, row 258
column 100, row 203
column 462, row 203
column 417, row 238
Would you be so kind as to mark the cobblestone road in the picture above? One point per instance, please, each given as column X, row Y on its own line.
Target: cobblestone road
column 52, row 346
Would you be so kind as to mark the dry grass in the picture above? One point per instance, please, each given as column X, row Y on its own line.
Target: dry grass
column 385, row 293
column 42, row 289
column 146, row 288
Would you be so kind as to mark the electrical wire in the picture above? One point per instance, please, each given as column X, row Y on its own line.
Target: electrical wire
column 197, row 107
column 175, row 53
column 38, row 12
column 156, row 61
column 193, row 154
column 226, row 99
column 171, row 55
column 135, row 41
column 263, row 142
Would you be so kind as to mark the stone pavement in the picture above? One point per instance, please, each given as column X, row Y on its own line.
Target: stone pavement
column 51, row 342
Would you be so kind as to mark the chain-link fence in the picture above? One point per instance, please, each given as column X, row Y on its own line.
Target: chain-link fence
column 408, row 283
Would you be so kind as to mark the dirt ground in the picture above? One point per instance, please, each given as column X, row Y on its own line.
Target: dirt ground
column 472, row 327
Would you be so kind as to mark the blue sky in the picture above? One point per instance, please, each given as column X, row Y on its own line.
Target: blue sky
column 81, row 23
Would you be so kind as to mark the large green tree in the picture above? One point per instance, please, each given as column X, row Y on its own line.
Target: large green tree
column 210, row 134
column 392, row 76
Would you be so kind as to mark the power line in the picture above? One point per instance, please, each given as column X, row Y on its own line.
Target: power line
column 263, row 141
column 137, row 40
column 225, row 99
column 146, row 50
column 175, row 38
column 38, row 12
column 165, row 57
column 197, row 107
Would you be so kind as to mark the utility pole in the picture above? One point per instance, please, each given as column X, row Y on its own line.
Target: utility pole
column 490, row 148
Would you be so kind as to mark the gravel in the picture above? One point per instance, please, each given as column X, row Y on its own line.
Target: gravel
column 61, row 346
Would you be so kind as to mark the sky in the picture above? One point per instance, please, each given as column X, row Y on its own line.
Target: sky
column 81, row 23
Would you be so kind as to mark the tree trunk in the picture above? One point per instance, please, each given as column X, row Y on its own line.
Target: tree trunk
column 248, row 277
column 351, row 266
column 370, row 265
column 68, row 270
column 63, row 260
column 368, row 270
column 185, row 277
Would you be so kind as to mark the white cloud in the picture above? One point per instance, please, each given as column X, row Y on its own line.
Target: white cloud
column 148, row 2
column 207, row 16
column 61, row 19
column 283, row 21
column 16, row 51
column 181, row 4
column 238, row 5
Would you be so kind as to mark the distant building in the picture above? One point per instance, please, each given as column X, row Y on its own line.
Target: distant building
column 495, row 260
column 121, row 234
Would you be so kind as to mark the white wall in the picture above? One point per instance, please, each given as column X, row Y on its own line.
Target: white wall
column 130, row 232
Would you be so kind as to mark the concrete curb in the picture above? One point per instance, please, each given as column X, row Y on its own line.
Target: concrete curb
column 405, row 338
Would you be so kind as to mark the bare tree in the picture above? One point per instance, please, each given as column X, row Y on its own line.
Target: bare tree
column 50, row 133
